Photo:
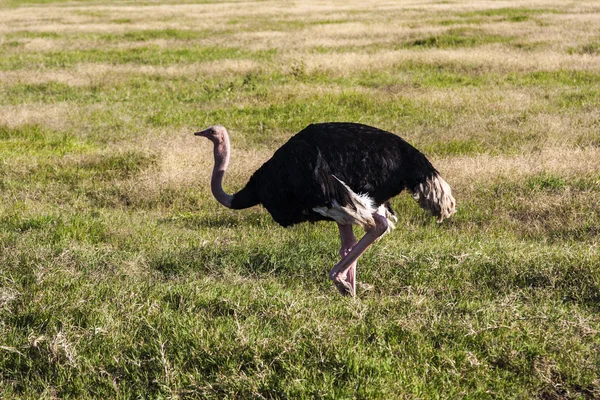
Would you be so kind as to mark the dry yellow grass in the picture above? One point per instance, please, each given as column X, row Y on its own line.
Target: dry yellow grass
column 52, row 115
column 482, row 169
column 90, row 74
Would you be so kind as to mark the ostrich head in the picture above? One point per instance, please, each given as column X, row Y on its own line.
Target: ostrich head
column 216, row 133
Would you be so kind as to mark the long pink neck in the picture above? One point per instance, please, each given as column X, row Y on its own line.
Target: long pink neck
column 221, row 162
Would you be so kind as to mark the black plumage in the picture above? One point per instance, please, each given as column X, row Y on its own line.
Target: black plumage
column 301, row 175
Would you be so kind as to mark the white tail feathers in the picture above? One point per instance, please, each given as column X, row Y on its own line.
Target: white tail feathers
column 435, row 196
column 360, row 212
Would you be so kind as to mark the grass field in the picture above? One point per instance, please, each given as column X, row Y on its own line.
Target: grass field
column 121, row 276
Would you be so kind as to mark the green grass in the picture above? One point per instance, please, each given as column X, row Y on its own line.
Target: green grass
column 149, row 55
column 121, row 276
column 592, row 48
column 478, row 17
column 517, row 14
column 455, row 38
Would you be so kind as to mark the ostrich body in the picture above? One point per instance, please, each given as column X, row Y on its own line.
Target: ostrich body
column 342, row 172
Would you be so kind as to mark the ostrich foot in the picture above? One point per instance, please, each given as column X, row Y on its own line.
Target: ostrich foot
column 346, row 285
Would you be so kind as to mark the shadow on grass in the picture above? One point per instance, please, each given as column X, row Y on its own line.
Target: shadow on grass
column 279, row 258
column 569, row 280
column 220, row 219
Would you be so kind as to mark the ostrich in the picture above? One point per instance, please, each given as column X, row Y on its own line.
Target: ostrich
column 342, row 172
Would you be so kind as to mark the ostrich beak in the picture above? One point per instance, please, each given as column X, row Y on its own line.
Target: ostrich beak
column 201, row 133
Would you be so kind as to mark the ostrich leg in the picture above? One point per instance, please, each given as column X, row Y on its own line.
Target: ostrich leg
column 348, row 241
column 339, row 273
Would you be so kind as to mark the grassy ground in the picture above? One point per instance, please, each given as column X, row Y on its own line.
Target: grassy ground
column 121, row 277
